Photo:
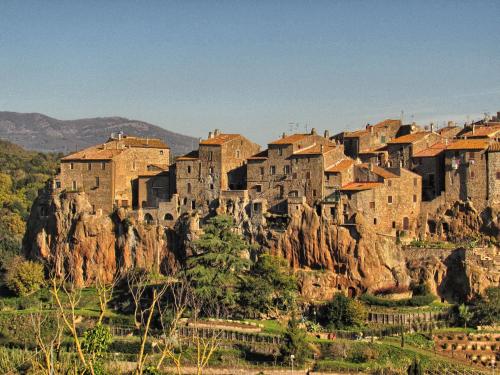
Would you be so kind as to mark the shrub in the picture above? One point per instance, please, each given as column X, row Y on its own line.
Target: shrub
column 24, row 277
column 342, row 312
column 362, row 354
column 414, row 301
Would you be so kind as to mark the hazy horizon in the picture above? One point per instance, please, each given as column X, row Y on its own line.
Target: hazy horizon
column 251, row 67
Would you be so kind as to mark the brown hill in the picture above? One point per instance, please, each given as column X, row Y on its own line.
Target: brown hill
column 35, row 131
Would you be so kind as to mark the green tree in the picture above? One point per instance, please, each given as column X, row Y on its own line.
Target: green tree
column 465, row 314
column 96, row 341
column 215, row 272
column 269, row 285
column 295, row 343
column 342, row 312
column 24, row 277
column 487, row 310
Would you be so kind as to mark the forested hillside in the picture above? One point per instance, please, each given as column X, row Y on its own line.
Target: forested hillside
column 22, row 173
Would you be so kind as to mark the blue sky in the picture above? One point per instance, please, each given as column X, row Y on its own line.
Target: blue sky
column 251, row 66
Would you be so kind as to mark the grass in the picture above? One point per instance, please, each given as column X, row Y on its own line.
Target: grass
column 273, row 327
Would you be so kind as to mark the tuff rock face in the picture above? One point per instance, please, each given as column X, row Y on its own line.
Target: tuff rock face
column 63, row 232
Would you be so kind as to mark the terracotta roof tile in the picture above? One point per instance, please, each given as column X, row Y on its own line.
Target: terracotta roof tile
column 434, row 150
column 388, row 122
column 259, row 156
column 340, row 166
column 93, row 153
column 409, row 138
column 290, row 139
column 384, row 173
column 219, row 139
column 359, row 186
column 483, row 131
column 140, row 142
column 193, row 155
column 469, row 144
column 494, row 147
column 315, row 150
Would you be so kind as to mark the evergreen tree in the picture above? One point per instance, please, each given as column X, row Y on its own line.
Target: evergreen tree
column 295, row 343
column 215, row 271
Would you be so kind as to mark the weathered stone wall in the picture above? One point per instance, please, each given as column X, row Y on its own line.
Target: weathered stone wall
column 493, row 178
column 432, row 171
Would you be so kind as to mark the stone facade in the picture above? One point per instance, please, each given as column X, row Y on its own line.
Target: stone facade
column 219, row 164
column 402, row 149
column 292, row 166
column 494, row 174
column 108, row 173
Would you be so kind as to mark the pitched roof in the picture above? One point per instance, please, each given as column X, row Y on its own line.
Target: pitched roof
column 388, row 122
column 259, row 156
column 494, row 147
column 219, row 140
column 361, row 132
column 483, row 131
column 356, row 133
column 130, row 141
column 469, row 144
column 315, row 149
column 409, row 138
column 434, row 150
column 374, row 150
column 339, row 166
column 290, row 139
column 93, row 153
column 359, row 186
column 193, row 155
column 384, row 173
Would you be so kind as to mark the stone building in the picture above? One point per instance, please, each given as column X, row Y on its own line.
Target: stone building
column 389, row 199
column 108, row 173
column 401, row 149
column 219, row 164
column 291, row 168
column 488, row 130
column 370, row 138
column 467, row 173
column 494, row 174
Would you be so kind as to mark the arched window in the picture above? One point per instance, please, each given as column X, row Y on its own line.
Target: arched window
column 168, row 217
column 148, row 218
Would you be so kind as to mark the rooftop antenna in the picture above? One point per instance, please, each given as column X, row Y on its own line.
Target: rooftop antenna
column 293, row 126
column 306, row 126
column 402, row 117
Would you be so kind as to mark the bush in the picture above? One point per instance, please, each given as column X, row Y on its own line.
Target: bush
column 24, row 277
column 362, row 354
column 415, row 301
column 342, row 312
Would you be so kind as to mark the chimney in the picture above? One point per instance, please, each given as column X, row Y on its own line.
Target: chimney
column 321, row 148
column 327, row 134
column 147, row 140
column 216, row 132
column 313, row 131
column 432, row 127
column 283, row 135
column 473, row 129
column 371, row 129
column 450, row 124
column 210, row 136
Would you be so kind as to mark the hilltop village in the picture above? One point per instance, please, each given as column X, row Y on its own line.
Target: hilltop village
column 395, row 175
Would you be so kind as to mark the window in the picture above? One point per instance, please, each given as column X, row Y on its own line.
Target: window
column 97, row 182
column 406, row 223
column 168, row 217
column 498, row 175
column 414, row 198
column 262, row 171
column 257, row 207
column 472, row 155
column 93, row 208
column 211, row 170
column 211, row 186
column 393, row 225
column 161, row 152
column 237, row 154
column 58, row 183
column 103, row 165
column 189, row 187
column 193, row 204
column 272, row 170
column 314, row 192
column 308, row 175
column 389, row 199
column 258, row 188
column 210, row 155
column 282, row 191
column 294, row 176
column 375, row 221
column 293, row 193
column 74, row 186
column 472, row 174
column 415, row 181
column 124, row 203
column 71, row 165
column 372, row 205
column 286, row 169
column 389, row 183
column 184, row 201
column 89, row 166
column 189, row 169
column 280, row 151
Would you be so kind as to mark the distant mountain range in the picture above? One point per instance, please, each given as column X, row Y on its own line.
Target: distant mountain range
column 35, row 131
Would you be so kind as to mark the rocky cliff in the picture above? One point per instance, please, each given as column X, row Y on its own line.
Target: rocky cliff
column 63, row 232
